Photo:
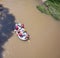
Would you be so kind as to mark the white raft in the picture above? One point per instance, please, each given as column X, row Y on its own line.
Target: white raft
column 22, row 30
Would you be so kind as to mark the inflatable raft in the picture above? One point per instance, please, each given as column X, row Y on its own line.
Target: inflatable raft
column 21, row 32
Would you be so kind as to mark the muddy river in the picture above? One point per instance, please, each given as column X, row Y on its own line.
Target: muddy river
column 43, row 29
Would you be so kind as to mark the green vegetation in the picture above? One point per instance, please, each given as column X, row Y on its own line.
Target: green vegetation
column 51, row 7
column 43, row 9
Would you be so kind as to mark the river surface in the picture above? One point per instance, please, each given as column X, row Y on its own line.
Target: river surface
column 43, row 29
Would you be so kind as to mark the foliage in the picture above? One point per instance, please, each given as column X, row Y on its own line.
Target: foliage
column 53, row 8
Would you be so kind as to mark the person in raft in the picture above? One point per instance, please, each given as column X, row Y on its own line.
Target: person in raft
column 20, row 33
column 17, row 29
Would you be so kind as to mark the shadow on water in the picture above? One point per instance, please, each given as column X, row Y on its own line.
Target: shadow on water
column 7, row 22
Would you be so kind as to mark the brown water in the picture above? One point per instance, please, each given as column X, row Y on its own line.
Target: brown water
column 44, row 31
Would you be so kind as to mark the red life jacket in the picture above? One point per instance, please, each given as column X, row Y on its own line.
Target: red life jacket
column 16, row 27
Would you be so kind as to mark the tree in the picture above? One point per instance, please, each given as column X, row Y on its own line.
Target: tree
column 56, row 1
